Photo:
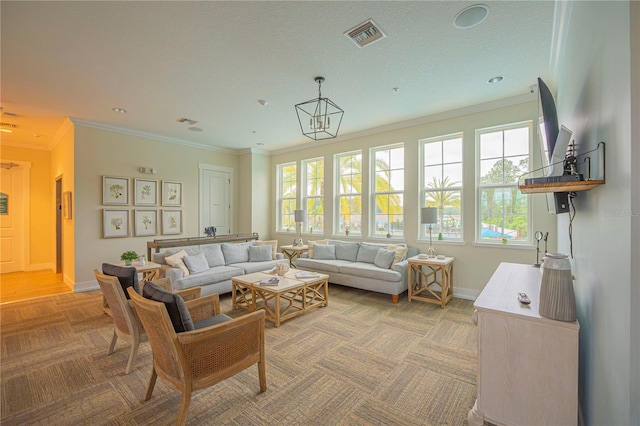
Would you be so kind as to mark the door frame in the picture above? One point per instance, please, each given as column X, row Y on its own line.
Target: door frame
column 24, row 167
column 202, row 167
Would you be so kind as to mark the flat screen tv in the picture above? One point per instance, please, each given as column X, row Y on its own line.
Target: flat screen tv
column 554, row 139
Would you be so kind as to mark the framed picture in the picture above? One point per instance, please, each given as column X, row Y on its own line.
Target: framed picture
column 115, row 223
column 115, row 190
column 171, row 222
column 66, row 205
column 171, row 193
column 146, row 222
column 146, row 192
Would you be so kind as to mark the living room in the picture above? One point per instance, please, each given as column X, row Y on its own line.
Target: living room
column 597, row 98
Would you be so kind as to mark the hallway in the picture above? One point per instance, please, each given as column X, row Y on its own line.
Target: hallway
column 15, row 286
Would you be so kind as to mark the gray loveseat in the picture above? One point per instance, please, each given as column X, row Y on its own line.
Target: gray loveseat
column 360, row 265
column 212, row 266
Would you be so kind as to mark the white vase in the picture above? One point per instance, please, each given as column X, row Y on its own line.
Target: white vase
column 557, row 299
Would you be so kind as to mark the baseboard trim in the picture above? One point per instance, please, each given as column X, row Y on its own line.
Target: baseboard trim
column 466, row 293
column 41, row 267
column 86, row 286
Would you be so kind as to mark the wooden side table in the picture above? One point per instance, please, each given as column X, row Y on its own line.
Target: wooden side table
column 424, row 273
column 149, row 271
column 293, row 252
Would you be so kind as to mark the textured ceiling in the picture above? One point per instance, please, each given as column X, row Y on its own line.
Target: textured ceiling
column 212, row 61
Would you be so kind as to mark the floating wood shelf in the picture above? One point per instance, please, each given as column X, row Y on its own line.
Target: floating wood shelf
column 538, row 188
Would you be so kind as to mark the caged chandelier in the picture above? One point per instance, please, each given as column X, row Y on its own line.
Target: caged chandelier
column 319, row 118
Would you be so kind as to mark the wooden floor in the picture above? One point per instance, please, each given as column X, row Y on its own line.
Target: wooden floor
column 16, row 286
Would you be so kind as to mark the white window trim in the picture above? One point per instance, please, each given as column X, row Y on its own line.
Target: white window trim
column 280, row 200
column 372, row 191
column 305, row 196
column 337, row 194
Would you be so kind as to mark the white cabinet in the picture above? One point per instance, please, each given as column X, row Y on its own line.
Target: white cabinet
column 527, row 364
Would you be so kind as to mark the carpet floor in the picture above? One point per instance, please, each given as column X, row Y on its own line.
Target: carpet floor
column 362, row 360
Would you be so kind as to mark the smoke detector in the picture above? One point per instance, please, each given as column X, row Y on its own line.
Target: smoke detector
column 365, row 33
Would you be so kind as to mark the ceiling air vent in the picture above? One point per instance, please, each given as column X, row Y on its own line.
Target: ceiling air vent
column 365, row 33
column 9, row 125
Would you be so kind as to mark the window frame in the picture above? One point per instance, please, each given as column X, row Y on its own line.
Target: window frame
column 514, row 185
column 306, row 197
column 282, row 200
column 424, row 189
column 373, row 167
column 338, row 195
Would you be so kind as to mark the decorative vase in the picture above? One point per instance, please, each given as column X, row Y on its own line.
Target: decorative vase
column 557, row 299
column 281, row 269
column 127, row 262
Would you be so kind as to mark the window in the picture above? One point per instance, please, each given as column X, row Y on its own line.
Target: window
column 287, row 194
column 387, row 191
column 503, row 155
column 314, row 194
column 349, row 192
column 441, row 184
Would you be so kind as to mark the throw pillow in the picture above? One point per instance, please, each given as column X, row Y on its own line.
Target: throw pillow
column 235, row 253
column 213, row 254
column 127, row 275
column 175, row 260
column 384, row 258
column 312, row 243
column 196, row 263
column 401, row 252
column 176, row 308
column 273, row 244
column 325, row 252
column 367, row 253
column 347, row 251
column 260, row 253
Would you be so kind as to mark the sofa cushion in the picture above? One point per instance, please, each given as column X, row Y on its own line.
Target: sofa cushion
column 196, row 263
column 127, row 275
column 368, row 270
column 175, row 260
column 325, row 252
column 273, row 244
column 213, row 254
column 211, row 276
column 384, row 258
column 367, row 253
column 323, row 265
column 401, row 252
column 176, row 308
column 251, row 267
column 346, row 251
column 260, row 253
column 310, row 244
column 214, row 320
column 235, row 253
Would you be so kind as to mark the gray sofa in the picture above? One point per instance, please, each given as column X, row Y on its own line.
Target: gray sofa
column 355, row 265
column 212, row 266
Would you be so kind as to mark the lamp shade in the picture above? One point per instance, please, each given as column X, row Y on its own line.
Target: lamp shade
column 428, row 215
column 299, row 216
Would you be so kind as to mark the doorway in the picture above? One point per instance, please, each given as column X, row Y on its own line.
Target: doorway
column 215, row 198
column 59, row 225
column 14, row 208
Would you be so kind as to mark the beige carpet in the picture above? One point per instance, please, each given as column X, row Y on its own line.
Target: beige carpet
column 360, row 361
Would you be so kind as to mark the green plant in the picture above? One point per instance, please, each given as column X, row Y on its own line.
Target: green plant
column 129, row 255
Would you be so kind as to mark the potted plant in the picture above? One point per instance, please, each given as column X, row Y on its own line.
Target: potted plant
column 128, row 257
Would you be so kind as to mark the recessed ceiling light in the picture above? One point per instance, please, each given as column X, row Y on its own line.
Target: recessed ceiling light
column 195, row 129
column 119, row 110
column 496, row 79
column 396, row 89
column 6, row 131
column 263, row 102
column 471, row 16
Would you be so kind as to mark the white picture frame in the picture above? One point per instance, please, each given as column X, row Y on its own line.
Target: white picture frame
column 115, row 223
column 146, row 222
column 115, row 191
column 145, row 192
column 171, row 193
column 171, row 222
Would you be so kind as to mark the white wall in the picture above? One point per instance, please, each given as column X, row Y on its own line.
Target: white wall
column 474, row 264
column 594, row 87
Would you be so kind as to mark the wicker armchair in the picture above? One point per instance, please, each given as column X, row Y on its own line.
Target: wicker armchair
column 200, row 358
column 126, row 324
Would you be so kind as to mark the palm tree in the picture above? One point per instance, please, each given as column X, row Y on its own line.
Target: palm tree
column 437, row 197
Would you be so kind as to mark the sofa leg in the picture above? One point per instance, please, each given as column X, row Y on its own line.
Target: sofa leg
column 394, row 297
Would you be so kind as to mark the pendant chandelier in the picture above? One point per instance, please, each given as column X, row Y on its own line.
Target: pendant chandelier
column 319, row 118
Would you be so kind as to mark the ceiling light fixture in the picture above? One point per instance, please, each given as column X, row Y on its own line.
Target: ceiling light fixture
column 119, row 110
column 319, row 113
column 471, row 16
column 496, row 79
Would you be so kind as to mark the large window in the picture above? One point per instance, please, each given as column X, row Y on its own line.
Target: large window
column 441, row 184
column 503, row 211
column 348, row 193
column 387, row 191
column 313, row 197
column 287, row 194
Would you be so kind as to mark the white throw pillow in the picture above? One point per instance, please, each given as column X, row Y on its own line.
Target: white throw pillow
column 401, row 252
column 273, row 244
column 175, row 260
column 311, row 243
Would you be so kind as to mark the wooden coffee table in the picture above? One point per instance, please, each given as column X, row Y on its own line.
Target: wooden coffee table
column 291, row 297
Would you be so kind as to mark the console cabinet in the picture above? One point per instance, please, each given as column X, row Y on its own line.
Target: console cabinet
column 527, row 364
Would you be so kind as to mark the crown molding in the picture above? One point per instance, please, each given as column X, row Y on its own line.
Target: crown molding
column 66, row 126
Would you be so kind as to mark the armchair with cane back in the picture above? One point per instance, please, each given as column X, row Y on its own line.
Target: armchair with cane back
column 212, row 348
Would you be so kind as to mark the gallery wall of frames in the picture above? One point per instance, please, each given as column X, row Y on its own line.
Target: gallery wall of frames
column 157, row 207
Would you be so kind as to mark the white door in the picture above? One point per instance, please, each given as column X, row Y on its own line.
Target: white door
column 12, row 214
column 215, row 199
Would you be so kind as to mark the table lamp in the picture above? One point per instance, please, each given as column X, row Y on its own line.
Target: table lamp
column 299, row 218
column 429, row 216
